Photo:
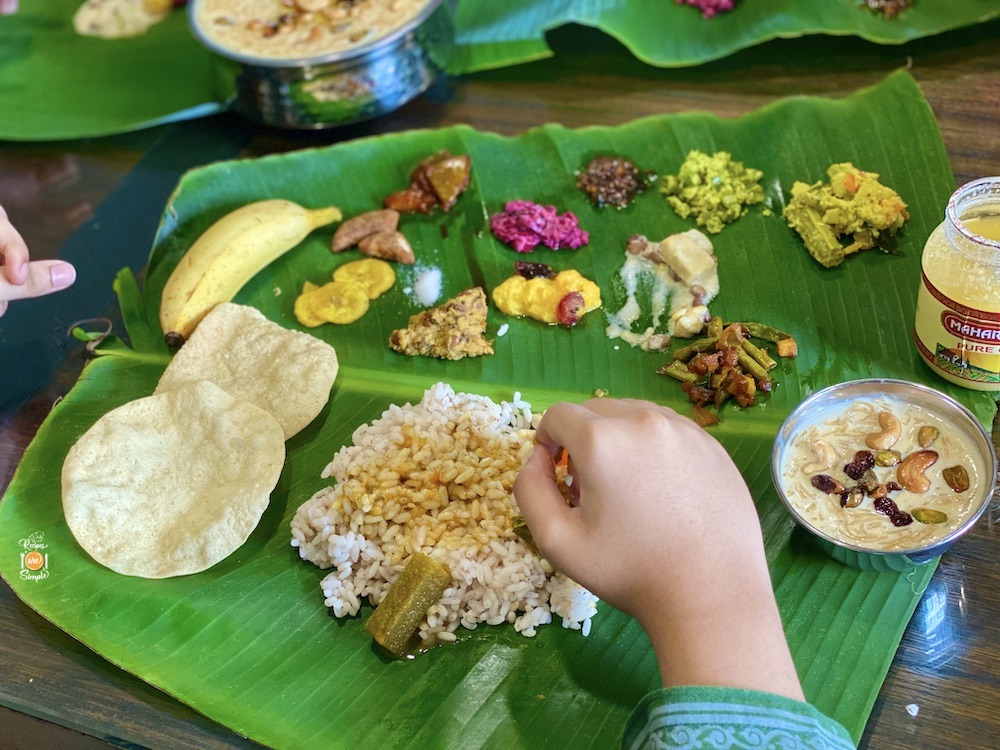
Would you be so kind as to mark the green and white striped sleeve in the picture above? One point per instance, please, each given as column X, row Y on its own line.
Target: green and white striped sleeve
column 716, row 717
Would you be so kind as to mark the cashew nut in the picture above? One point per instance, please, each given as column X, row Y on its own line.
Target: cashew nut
column 825, row 456
column 891, row 430
column 312, row 6
column 910, row 471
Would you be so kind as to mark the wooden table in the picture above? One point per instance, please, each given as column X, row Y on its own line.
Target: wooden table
column 70, row 198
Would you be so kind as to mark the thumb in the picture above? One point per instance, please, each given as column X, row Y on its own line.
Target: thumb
column 44, row 277
column 551, row 521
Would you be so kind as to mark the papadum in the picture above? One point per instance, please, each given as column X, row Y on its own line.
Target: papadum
column 287, row 373
column 170, row 484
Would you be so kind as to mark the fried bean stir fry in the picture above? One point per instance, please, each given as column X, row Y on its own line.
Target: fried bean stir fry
column 726, row 364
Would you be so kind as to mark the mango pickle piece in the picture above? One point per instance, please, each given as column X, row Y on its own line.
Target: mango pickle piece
column 929, row 515
column 371, row 274
column 417, row 588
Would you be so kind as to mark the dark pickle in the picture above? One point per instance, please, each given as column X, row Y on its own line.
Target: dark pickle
column 613, row 181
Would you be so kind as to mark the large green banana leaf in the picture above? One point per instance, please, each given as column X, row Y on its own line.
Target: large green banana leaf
column 55, row 84
column 249, row 642
column 666, row 34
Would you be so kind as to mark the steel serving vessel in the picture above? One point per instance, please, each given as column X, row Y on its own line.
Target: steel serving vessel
column 834, row 398
column 336, row 88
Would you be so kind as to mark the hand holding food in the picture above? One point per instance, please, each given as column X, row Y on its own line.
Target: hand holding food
column 662, row 526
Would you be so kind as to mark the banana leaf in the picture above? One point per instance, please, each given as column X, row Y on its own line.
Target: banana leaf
column 55, row 84
column 666, row 34
column 249, row 643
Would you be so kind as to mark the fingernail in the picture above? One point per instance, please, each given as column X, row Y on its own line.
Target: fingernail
column 62, row 275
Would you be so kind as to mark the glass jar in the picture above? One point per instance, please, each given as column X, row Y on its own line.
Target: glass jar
column 957, row 323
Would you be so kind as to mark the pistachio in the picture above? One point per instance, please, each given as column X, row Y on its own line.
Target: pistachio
column 926, row 436
column 887, row 458
column 929, row 515
column 868, row 481
column 956, row 477
column 910, row 471
column 852, row 498
column 891, row 430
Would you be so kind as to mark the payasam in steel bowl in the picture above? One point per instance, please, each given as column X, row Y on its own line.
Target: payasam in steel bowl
column 310, row 64
column 885, row 474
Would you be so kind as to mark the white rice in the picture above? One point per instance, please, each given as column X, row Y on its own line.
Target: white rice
column 437, row 478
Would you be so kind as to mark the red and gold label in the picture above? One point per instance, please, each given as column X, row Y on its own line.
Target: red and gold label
column 961, row 343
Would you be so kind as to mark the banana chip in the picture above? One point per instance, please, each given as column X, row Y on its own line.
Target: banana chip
column 303, row 308
column 371, row 274
column 339, row 302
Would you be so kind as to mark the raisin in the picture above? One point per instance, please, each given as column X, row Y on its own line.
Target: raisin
column 862, row 462
column 570, row 308
column 827, row 484
column 902, row 518
column 886, row 506
column 533, row 270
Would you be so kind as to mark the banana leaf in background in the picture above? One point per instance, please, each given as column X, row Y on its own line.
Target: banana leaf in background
column 249, row 643
column 665, row 34
column 55, row 84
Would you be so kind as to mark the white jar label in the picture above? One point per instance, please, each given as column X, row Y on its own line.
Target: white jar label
column 961, row 343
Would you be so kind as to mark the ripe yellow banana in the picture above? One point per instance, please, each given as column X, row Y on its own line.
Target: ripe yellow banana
column 228, row 255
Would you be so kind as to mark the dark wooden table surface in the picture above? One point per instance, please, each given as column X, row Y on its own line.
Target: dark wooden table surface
column 97, row 202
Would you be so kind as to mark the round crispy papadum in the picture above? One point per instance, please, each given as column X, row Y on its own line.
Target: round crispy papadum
column 287, row 373
column 169, row 485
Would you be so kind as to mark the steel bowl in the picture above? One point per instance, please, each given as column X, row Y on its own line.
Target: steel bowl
column 337, row 88
column 858, row 554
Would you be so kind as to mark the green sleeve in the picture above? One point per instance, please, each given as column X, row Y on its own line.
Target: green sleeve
column 713, row 717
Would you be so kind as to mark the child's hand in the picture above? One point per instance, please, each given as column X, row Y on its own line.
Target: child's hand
column 21, row 278
column 664, row 528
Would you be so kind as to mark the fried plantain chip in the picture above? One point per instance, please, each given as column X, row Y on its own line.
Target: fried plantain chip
column 371, row 274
